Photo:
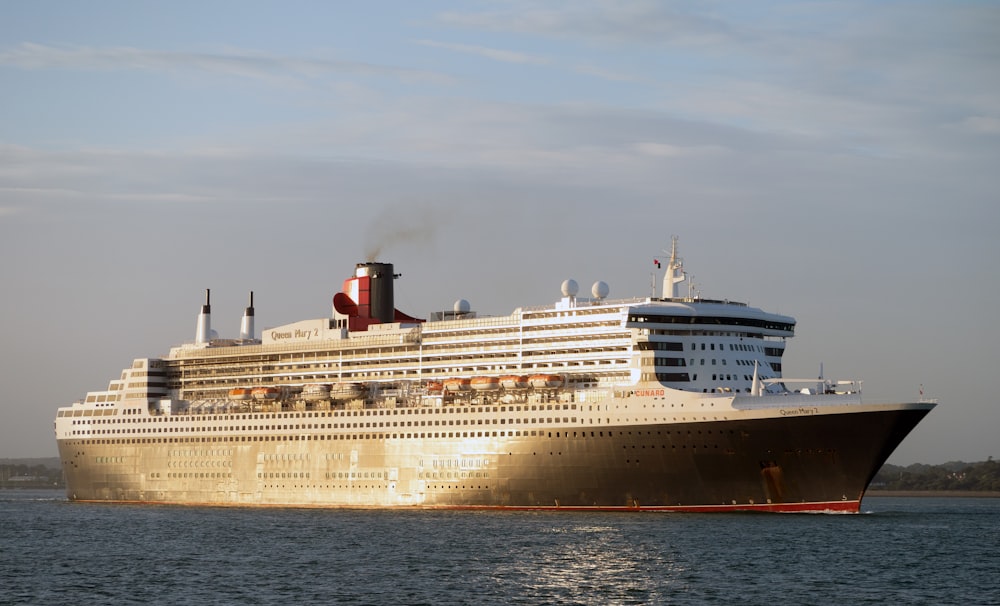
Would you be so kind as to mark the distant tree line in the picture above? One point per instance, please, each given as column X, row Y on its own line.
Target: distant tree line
column 18, row 475
column 949, row 476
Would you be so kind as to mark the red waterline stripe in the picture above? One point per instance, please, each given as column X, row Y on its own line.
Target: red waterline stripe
column 818, row 507
column 814, row 507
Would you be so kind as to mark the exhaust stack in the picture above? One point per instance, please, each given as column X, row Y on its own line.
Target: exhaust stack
column 246, row 325
column 368, row 295
column 367, row 298
column 381, row 304
column 204, row 332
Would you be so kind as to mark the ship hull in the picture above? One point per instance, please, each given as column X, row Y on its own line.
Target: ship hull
column 819, row 462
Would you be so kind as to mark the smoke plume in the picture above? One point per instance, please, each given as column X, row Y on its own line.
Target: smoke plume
column 403, row 224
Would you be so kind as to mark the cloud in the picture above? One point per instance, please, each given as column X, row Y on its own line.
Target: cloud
column 610, row 74
column 495, row 54
column 33, row 56
column 982, row 125
column 630, row 22
column 32, row 176
column 886, row 72
column 664, row 150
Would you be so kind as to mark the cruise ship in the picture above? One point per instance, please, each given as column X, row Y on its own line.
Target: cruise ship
column 670, row 403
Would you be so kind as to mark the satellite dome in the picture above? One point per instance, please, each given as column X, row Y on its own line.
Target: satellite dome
column 570, row 288
column 462, row 307
column 600, row 289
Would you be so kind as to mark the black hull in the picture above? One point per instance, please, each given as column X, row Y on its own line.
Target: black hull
column 730, row 465
column 814, row 462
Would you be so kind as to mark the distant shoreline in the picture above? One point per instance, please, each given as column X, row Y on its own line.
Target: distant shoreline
column 988, row 494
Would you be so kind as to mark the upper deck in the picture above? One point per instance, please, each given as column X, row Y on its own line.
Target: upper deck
column 688, row 344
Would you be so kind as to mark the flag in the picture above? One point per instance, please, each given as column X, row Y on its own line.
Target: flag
column 656, row 262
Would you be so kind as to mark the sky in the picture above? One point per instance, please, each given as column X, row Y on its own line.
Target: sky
column 838, row 162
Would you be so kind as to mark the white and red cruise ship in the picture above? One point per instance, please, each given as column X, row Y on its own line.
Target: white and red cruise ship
column 654, row 403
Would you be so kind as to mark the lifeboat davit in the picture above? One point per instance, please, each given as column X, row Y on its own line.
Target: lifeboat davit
column 265, row 393
column 514, row 382
column 545, row 381
column 485, row 383
column 316, row 391
column 240, row 393
column 462, row 384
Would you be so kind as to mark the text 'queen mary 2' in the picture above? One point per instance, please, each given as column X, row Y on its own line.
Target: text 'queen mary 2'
column 667, row 403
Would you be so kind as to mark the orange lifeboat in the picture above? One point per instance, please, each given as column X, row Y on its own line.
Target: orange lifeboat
column 545, row 381
column 514, row 382
column 240, row 393
column 461, row 384
column 485, row 383
column 435, row 387
column 265, row 393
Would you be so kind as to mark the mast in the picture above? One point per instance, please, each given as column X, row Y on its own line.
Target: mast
column 675, row 272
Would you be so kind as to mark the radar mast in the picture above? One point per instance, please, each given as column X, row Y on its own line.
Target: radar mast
column 675, row 272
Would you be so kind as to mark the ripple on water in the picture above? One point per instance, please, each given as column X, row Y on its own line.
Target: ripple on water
column 914, row 551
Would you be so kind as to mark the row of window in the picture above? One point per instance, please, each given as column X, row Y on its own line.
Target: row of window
column 294, row 427
column 322, row 437
column 667, row 377
column 713, row 320
column 288, row 476
column 335, row 413
column 452, row 475
column 659, row 346
column 771, row 351
column 201, row 453
column 412, row 362
column 333, row 426
column 386, row 436
column 662, row 361
column 200, row 463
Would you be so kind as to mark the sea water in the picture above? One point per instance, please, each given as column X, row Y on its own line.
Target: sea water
column 899, row 551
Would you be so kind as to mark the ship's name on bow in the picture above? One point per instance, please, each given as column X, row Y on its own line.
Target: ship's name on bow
column 800, row 411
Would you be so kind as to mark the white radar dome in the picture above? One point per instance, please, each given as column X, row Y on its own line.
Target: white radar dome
column 600, row 289
column 570, row 288
column 462, row 307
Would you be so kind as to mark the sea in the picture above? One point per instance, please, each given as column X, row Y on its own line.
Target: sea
column 898, row 551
